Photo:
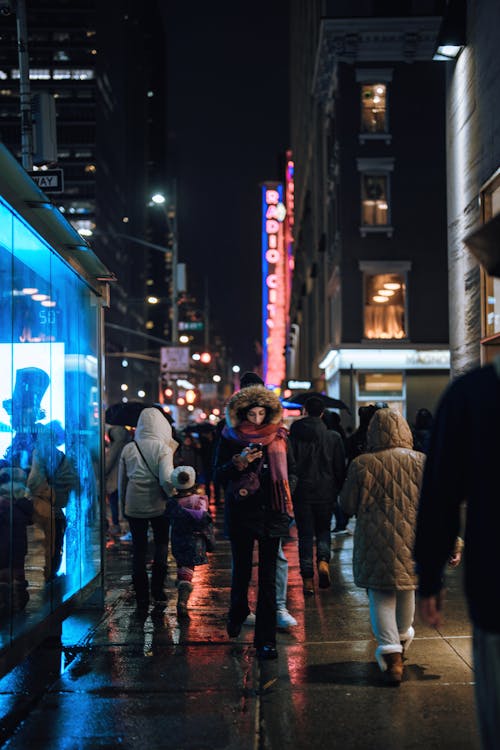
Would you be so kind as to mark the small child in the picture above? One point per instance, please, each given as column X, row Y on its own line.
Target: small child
column 192, row 531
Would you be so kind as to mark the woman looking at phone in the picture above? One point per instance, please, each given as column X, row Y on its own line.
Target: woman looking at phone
column 257, row 467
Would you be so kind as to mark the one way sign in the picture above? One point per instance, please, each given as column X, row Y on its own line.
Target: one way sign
column 49, row 180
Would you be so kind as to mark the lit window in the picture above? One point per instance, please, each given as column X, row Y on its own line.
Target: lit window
column 374, row 108
column 375, row 200
column 384, row 313
column 61, row 75
column 61, row 56
column 375, row 194
column 379, row 386
column 36, row 74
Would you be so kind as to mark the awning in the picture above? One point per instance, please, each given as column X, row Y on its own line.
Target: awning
column 23, row 195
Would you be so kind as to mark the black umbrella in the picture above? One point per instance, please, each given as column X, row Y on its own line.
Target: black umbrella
column 328, row 401
column 127, row 413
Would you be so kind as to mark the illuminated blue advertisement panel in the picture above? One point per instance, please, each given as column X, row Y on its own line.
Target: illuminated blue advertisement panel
column 50, row 543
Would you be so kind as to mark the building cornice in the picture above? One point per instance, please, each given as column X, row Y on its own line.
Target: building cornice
column 370, row 40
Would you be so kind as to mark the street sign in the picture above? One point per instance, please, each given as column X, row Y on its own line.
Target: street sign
column 190, row 325
column 174, row 359
column 49, row 180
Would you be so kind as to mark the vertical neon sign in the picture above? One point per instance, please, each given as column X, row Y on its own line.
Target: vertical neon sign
column 289, row 227
column 274, row 285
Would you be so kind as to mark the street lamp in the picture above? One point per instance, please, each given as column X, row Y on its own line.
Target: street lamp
column 158, row 199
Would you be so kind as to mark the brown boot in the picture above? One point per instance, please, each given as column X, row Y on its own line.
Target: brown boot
column 394, row 673
column 185, row 588
column 324, row 574
column 308, row 586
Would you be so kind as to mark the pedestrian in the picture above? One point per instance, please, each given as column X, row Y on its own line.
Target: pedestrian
column 284, row 619
column 462, row 468
column 332, row 421
column 382, row 490
column 320, row 467
column 357, row 442
column 192, row 532
column 118, row 438
column 257, row 463
column 422, row 430
column 146, row 464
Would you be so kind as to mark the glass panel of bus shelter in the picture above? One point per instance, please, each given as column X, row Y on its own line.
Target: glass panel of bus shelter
column 55, row 441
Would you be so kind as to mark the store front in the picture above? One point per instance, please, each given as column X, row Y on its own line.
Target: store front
column 52, row 290
column 405, row 379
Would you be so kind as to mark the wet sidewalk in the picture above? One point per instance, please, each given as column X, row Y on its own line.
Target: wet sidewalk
column 123, row 681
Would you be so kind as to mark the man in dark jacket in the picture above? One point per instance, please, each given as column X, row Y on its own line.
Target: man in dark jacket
column 320, row 468
column 462, row 464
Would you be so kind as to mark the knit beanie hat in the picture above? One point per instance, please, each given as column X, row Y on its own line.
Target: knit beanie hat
column 183, row 477
column 250, row 378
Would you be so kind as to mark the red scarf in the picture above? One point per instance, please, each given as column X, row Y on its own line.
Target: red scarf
column 274, row 437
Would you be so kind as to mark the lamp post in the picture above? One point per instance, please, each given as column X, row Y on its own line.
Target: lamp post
column 171, row 216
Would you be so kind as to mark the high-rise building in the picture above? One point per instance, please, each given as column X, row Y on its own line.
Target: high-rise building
column 104, row 65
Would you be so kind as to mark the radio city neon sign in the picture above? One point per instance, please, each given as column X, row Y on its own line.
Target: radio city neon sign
column 275, row 285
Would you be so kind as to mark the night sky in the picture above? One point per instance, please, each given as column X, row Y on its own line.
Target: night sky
column 228, row 131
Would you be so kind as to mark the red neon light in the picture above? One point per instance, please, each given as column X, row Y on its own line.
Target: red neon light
column 276, row 283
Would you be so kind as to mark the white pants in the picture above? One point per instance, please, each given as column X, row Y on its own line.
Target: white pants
column 281, row 578
column 391, row 616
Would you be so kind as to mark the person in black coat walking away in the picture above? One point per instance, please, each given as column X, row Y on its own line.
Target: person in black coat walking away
column 257, row 464
column 320, row 466
column 462, row 467
column 332, row 421
column 422, row 430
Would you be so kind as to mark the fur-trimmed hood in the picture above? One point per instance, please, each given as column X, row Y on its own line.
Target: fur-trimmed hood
column 253, row 395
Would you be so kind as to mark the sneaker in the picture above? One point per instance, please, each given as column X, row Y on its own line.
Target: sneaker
column 126, row 537
column 250, row 621
column 340, row 530
column 284, row 619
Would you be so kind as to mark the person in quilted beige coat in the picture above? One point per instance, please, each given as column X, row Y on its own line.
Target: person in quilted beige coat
column 382, row 490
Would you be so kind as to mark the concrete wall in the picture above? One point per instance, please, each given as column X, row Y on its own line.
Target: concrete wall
column 473, row 152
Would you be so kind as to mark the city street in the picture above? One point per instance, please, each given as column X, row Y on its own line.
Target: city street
column 125, row 681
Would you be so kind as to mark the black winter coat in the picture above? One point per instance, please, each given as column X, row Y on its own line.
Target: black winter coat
column 462, row 464
column 319, row 459
column 252, row 513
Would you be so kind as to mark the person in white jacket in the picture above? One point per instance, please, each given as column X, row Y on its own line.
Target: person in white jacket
column 144, row 472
